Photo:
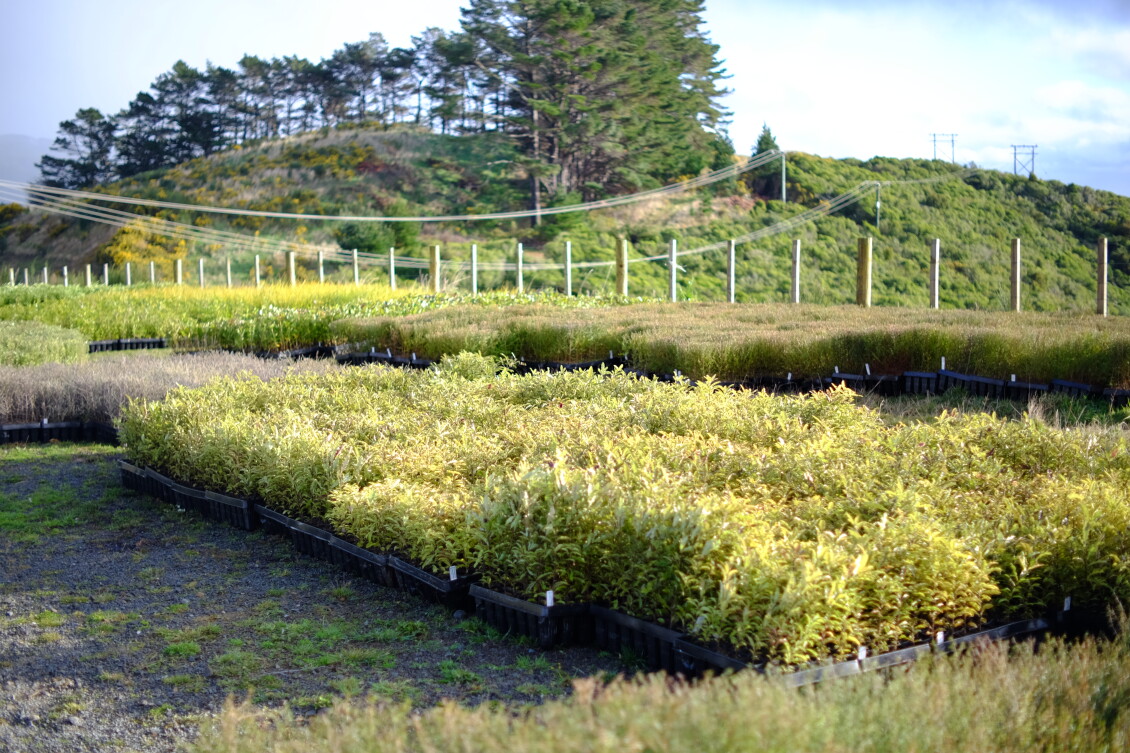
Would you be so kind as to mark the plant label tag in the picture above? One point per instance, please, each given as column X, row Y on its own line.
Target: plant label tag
column 1067, row 604
column 943, row 363
column 867, row 368
column 451, row 573
column 549, row 598
column 940, row 638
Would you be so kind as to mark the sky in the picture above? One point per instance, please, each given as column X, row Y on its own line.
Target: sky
column 842, row 78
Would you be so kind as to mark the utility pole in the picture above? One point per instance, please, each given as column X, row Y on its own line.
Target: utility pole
column 1020, row 162
column 943, row 136
column 878, row 203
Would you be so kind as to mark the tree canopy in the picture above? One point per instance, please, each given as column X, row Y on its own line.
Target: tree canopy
column 601, row 96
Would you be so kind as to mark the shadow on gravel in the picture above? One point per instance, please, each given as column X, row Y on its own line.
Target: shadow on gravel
column 125, row 624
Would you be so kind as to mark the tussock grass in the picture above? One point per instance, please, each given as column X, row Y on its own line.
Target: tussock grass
column 1066, row 698
column 97, row 389
column 734, row 342
column 26, row 343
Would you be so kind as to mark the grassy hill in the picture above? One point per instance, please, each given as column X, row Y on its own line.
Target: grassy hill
column 366, row 171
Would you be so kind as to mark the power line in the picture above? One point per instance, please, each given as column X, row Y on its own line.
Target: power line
column 715, row 176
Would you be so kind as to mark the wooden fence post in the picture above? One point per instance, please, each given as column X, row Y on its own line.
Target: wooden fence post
column 227, row 271
column 66, row 277
column 795, row 298
column 622, row 268
column 520, row 281
column 356, row 269
column 935, row 266
column 180, row 272
column 290, row 269
column 27, row 276
column 106, row 274
column 46, row 275
column 129, row 274
column 863, row 273
column 434, row 270
column 392, row 268
column 258, row 273
column 474, row 269
column 732, row 272
column 1100, row 304
column 89, row 282
column 152, row 272
column 568, row 269
column 200, row 270
column 672, row 266
column 12, row 276
column 1014, row 276
column 321, row 266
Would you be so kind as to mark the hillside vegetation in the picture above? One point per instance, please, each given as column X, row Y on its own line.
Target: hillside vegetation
column 408, row 172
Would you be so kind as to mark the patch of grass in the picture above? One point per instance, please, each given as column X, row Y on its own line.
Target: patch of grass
column 45, row 512
column 451, row 673
column 367, row 657
column 348, row 687
column 237, row 668
column 186, row 682
column 182, row 650
column 50, row 619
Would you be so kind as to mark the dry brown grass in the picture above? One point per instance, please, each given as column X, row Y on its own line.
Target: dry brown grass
column 96, row 390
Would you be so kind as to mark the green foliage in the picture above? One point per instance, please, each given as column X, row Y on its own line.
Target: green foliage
column 787, row 527
column 29, row 343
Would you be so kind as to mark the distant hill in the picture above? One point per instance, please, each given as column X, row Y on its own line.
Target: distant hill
column 367, row 171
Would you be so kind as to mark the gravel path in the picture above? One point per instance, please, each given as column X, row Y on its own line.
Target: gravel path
column 124, row 625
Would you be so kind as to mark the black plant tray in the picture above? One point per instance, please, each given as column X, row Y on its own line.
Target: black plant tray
column 974, row 385
column 136, row 343
column 1024, row 390
column 273, row 522
column 913, row 653
column 357, row 359
column 311, row 541
column 451, row 593
column 919, row 383
column 159, row 486
column 785, row 385
column 885, row 384
column 371, row 566
column 1117, row 398
column 618, row 632
column 559, row 625
column 1072, row 389
column 696, row 660
column 133, row 477
column 62, row 431
column 231, row 510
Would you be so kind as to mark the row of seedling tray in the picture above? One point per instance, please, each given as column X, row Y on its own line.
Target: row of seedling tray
column 132, row 343
column 548, row 624
column 61, row 431
column 887, row 385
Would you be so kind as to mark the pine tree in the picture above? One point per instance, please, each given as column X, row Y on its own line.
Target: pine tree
column 89, row 140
